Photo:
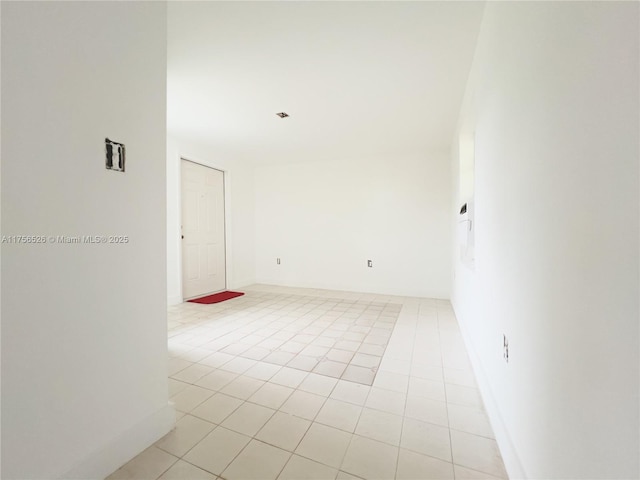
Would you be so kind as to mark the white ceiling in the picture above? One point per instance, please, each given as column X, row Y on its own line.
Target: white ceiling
column 359, row 79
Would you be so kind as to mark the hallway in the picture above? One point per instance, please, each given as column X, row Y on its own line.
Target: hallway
column 293, row 383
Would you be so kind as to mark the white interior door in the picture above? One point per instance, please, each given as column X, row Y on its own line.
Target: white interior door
column 203, row 248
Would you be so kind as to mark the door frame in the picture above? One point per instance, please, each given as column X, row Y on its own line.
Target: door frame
column 225, row 179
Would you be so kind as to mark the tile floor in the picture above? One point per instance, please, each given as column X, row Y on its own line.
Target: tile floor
column 292, row 384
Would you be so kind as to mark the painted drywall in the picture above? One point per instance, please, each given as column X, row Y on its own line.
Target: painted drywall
column 325, row 220
column 239, row 214
column 553, row 104
column 84, row 351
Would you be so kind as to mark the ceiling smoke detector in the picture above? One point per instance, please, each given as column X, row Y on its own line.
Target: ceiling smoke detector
column 282, row 114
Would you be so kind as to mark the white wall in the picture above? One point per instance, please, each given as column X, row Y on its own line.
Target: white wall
column 325, row 220
column 239, row 215
column 84, row 384
column 553, row 100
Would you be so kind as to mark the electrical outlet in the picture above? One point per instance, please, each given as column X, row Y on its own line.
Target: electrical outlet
column 505, row 348
column 277, row 261
column 369, row 263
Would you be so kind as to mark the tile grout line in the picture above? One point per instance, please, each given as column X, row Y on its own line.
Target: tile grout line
column 404, row 410
column 453, row 468
column 169, row 468
column 260, row 321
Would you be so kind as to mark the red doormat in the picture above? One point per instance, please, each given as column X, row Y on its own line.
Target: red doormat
column 217, row 297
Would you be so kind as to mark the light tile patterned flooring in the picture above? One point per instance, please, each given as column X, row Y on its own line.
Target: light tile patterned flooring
column 291, row 384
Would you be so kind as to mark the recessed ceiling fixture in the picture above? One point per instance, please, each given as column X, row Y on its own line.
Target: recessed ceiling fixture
column 282, row 114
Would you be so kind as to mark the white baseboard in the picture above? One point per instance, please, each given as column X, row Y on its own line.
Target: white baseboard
column 175, row 300
column 238, row 284
column 124, row 447
column 508, row 450
column 356, row 289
